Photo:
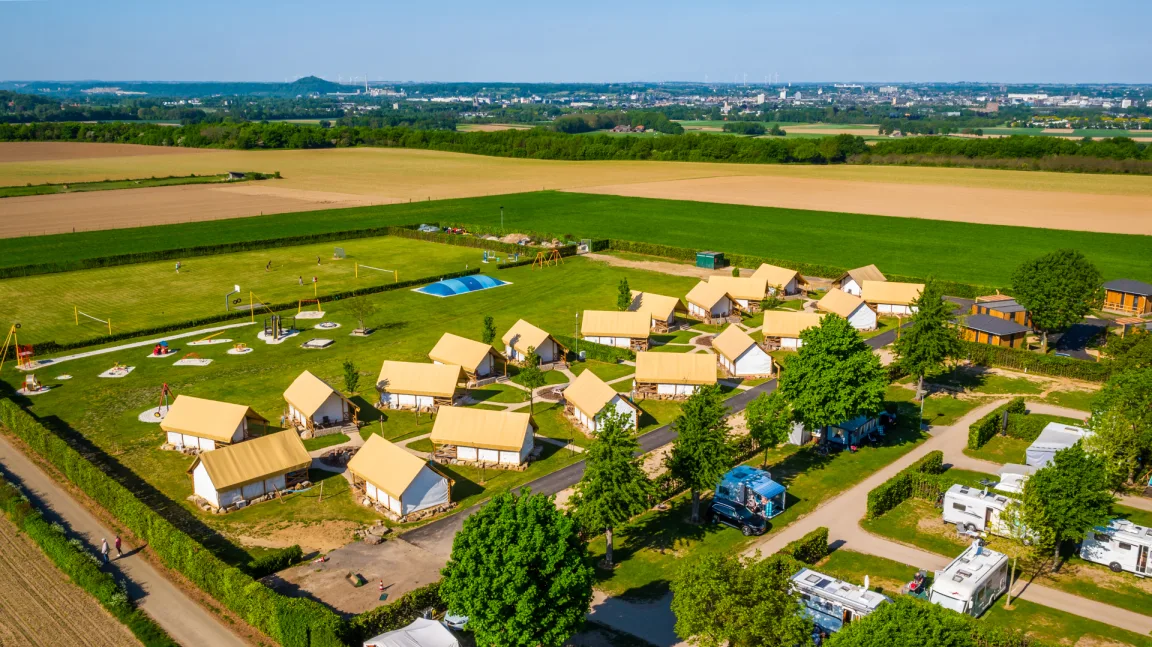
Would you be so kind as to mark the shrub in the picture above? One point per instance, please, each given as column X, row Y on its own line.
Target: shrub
column 274, row 561
column 985, row 428
column 917, row 480
column 1018, row 359
column 810, row 548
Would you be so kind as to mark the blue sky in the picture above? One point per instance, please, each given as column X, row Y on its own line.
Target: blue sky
column 592, row 40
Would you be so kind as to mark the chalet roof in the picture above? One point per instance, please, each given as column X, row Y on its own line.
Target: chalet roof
column 591, row 394
column 254, row 460
column 787, row 323
column 523, row 335
column 307, row 393
column 206, row 418
column 775, row 276
column 675, row 368
column 705, row 295
column 416, row 378
column 388, row 466
column 741, row 287
column 994, row 325
column 1129, row 286
column 861, row 274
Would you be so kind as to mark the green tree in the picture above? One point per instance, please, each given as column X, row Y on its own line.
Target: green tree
column 721, row 600
column 1122, row 420
column 531, row 377
column 930, row 340
column 623, row 295
column 1058, row 289
column 1131, row 352
column 769, row 420
column 700, row 454
column 362, row 308
column 1066, row 499
column 519, row 571
column 834, row 376
column 351, row 377
column 488, row 332
column 614, row 487
column 907, row 622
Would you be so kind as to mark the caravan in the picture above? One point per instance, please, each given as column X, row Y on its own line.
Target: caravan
column 972, row 582
column 1122, row 546
column 973, row 510
column 832, row 603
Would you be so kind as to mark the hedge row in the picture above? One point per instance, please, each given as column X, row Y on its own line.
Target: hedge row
column 1027, row 426
column 53, row 347
column 916, row 480
column 810, row 548
column 599, row 352
column 1029, row 362
column 293, row 622
column 985, row 428
column 463, row 240
column 80, row 565
column 275, row 561
column 395, row 615
column 565, row 251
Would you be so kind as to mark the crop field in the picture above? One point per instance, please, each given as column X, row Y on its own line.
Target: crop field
column 40, row 606
column 102, row 413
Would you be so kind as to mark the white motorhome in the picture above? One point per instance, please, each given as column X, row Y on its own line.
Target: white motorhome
column 833, row 603
column 975, row 510
column 972, row 582
column 1122, row 546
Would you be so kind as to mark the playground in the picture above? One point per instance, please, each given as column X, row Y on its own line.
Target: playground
column 73, row 306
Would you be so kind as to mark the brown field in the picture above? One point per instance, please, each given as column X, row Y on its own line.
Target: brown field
column 40, row 606
column 491, row 128
column 319, row 179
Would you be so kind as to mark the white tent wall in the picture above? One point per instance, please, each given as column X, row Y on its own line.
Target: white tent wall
column 421, row 633
column 619, row 342
column 676, row 389
column 895, row 309
column 851, row 286
column 333, row 408
column 864, row 318
column 405, row 400
column 753, row 361
column 427, row 490
column 202, row 485
column 791, row 342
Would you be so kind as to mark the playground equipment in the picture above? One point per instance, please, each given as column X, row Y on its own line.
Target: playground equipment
column 490, row 257
column 192, row 359
column 162, row 350
column 253, row 301
column 240, row 349
column 301, row 313
column 275, row 328
column 164, row 403
column 229, row 301
column 23, row 353
column 77, row 313
column 118, row 370
column 542, row 260
column 338, row 254
column 395, row 274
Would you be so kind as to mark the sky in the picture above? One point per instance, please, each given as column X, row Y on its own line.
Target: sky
column 1042, row 41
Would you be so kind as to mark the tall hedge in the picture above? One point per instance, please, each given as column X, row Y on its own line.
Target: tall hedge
column 920, row 479
column 810, row 548
column 1023, row 360
column 984, row 429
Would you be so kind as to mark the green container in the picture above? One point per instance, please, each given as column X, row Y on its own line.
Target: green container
column 711, row 260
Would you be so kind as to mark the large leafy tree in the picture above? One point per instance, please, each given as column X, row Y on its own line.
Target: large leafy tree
column 1066, row 499
column 834, row 376
column 769, row 420
column 930, row 340
column 721, row 600
column 701, row 454
column 1130, row 352
column 1058, row 289
column 1122, row 420
column 519, row 571
column 907, row 622
column 614, row 487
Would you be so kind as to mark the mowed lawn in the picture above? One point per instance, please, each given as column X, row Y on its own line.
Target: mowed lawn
column 103, row 412
column 144, row 295
column 982, row 254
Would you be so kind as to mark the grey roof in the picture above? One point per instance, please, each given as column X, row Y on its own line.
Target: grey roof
column 1131, row 286
column 1007, row 305
column 994, row 325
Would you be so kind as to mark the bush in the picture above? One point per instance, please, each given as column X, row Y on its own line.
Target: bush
column 810, row 548
column 917, row 480
column 599, row 352
column 274, row 561
column 1023, row 360
column 393, row 616
column 985, row 428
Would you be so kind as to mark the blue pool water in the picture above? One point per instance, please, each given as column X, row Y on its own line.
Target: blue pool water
column 452, row 287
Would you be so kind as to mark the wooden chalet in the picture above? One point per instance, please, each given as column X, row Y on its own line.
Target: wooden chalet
column 1002, row 306
column 987, row 329
column 1128, row 296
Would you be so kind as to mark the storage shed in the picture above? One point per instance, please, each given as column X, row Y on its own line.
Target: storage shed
column 1053, row 438
column 412, row 385
column 739, row 355
column 662, row 309
column 614, row 328
column 197, row 423
column 236, row 474
column 478, row 360
column 588, row 396
column 1128, row 296
column 852, row 281
column 780, row 278
column 849, row 306
column 523, row 336
column 314, row 406
column 888, row 297
column 402, row 483
column 782, row 328
column 708, row 302
column 498, row 438
column 711, row 260
column 987, row 329
column 672, row 376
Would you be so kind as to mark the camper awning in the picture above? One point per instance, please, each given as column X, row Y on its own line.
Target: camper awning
column 254, row 460
column 206, row 418
column 435, row 380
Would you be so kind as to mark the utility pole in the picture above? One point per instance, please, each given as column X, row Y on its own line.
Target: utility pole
column 501, row 218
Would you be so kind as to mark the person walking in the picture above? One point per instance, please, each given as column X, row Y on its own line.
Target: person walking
column 317, row 260
column 301, row 279
column 119, row 553
column 268, row 267
column 177, row 267
column 104, row 549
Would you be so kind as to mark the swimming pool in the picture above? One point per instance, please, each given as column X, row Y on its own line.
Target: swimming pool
column 463, row 285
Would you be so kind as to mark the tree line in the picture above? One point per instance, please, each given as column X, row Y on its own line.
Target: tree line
column 590, row 121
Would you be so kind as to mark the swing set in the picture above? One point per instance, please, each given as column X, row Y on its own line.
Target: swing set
column 23, row 353
column 541, row 261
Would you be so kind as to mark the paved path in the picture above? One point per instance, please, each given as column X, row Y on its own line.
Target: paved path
column 185, row 620
column 149, row 342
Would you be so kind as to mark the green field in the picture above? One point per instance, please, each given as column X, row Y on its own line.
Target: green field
column 1079, row 132
column 984, row 254
column 108, row 185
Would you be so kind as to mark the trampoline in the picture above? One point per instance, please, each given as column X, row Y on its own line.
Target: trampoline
column 463, row 285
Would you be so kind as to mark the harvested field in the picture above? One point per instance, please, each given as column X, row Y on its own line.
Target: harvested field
column 40, row 606
column 47, row 151
column 491, row 128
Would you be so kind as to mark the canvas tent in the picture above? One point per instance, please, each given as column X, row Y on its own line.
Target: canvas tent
column 588, row 396
column 889, row 297
column 613, row 328
column 708, row 302
column 746, row 292
column 1053, row 438
column 673, row 375
column 421, row 633
column 397, row 479
column 197, row 423
column 849, row 307
column 662, row 309
column 782, row 328
column 852, row 281
column 739, row 355
column 788, row 281
column 477, row 359
column 412, row 385
column 239, row 473
column 523, row 336
column 496, row 437
column 313, row 404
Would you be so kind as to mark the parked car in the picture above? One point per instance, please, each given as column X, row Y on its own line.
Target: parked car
column 736, row 516
column 454, row 621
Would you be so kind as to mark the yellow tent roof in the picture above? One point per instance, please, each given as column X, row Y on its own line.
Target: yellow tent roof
column 777, row 276
column 610, row 323
column 861, row 274
column 308, row 392
column 890, row 292
column 591, row 394
column 206, row 418
column 387, row 466
column 786, row 323
column 462, row 426
column 741, row 287
column 705, row 295
column 436, row 380
column 463, row 352
column 523, row 335
column 839, row 302
column 676, row 368
column 254, row 460
column 657, row 306
column 732, row 342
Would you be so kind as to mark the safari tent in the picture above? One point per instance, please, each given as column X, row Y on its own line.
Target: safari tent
column 786, row 280
column 739, row 355
column 708, row 302
column 613, row 328
column 852, row 281
column 313, row 405
column 889, row 297
column 197, row 423
column 587, row 397
column 236, row 474
column 477, row 359
column 849, row 306
column 746, row 292
column 782, row 328
column 673, row 376
column 501, row 438
column 397, row 480
column 523, row 336
column 662, row 309
column 414, row 385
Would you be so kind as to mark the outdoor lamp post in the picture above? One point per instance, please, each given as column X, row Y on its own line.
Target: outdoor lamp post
column 576, row 335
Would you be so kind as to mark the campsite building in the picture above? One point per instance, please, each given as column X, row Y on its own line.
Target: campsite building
column 780, row 279
column 1053, row 438
column 523, row 336
column 234, row 475
column 746, row 292
column 888, row 297
column 833, row 603
column 315, row 407
column 849, row 306
column 196, row 423
column 988, row 329
column 1127, row 296
column 413, row 385
column 588, row 396
column 497, row 438
column 739, row 355
column 672, row 376
column 1002, row 306
column 613, row 328
column 476, row 359
column 397, row 480
column 662, row 309
column 782, row 328
column 852, row 281
column 708, row 302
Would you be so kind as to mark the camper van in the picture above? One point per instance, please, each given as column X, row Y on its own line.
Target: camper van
column 1122, row 546
column 974, row 510
column 832, row 603
column 972, row 582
